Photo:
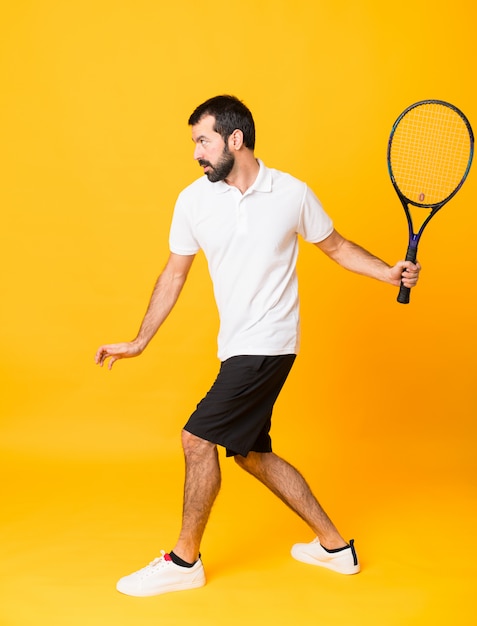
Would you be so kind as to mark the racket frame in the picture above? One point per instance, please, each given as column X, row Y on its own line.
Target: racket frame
column 414, row 237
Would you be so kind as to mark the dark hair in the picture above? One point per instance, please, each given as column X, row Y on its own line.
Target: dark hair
column 230, row 114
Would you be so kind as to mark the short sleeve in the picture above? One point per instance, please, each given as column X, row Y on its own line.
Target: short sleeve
column 315, row 224
column 181, row 235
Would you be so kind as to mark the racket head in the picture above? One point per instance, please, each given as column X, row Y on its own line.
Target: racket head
column 430, row 151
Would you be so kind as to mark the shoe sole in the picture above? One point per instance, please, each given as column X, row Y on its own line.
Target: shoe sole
column 164, row 589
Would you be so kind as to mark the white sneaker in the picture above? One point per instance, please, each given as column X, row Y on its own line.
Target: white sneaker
column 161, row 576
column 344, row 561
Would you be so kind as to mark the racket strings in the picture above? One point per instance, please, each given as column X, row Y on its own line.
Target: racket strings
column 430, row 153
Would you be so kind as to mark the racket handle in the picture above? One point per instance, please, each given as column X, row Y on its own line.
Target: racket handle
column 404, row 292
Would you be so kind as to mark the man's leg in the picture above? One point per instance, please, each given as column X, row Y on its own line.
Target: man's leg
column 288, row 484
column 329, row 549
column 202, row 484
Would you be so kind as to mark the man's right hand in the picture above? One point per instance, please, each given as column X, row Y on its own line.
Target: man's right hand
column 115, row 351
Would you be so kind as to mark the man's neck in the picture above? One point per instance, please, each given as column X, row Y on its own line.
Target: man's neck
column 244, row 174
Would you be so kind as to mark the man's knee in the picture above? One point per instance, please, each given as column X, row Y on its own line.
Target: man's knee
column 240, row 460
column 192, row 444
column 248, row 462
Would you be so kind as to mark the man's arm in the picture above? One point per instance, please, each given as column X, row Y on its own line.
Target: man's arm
column 356, row 259
column 164, row 296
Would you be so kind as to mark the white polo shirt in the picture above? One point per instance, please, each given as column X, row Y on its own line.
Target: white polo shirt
column 251, row 245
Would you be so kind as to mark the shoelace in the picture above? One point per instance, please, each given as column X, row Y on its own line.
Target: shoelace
column 159, row 561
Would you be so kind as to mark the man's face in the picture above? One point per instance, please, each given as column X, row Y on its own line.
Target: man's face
column 211, row 152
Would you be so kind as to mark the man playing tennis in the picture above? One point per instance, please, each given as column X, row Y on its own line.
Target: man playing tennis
column 246, row 218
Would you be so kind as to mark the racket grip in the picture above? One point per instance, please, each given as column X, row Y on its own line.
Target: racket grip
column 404, row 292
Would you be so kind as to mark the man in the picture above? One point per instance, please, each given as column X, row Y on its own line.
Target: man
column 246, row 218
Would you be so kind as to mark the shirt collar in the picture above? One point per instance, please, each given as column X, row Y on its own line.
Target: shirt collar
column 263, row 182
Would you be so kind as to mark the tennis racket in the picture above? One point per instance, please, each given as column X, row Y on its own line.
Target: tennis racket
column 430, row 152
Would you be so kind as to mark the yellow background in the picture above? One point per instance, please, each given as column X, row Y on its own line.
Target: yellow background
column 379, row 411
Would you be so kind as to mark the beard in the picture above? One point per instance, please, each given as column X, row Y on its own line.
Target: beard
column 222, row 168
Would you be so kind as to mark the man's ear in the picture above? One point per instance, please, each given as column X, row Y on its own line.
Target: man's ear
column 236, row 140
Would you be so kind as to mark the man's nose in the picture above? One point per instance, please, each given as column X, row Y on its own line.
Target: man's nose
column 198, row 153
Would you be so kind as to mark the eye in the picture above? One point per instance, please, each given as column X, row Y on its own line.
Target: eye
column 203, row 142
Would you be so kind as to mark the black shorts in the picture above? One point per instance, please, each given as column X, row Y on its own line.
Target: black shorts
column 236, row 413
